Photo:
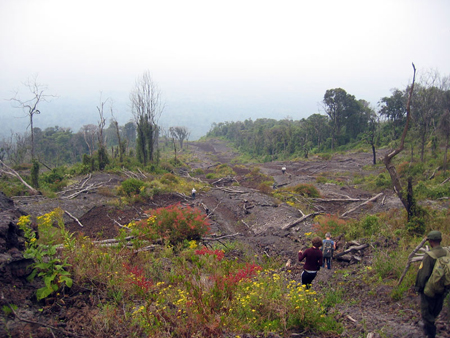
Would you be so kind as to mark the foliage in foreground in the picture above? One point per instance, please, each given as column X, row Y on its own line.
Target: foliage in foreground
column 185, row 290
column 47, row 264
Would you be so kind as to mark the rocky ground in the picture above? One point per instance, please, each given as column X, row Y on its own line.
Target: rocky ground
column 243, row 211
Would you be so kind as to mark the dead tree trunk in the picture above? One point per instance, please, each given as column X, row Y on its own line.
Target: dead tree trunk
column 4, row 169
column 388, row 158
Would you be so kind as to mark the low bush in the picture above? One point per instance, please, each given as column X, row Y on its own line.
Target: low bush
column 131, row 186
column 175, row 224
column 306, row 190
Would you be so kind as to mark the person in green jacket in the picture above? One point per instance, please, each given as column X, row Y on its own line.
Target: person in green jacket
column 430, row 307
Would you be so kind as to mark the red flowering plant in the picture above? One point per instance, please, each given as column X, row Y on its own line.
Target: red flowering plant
column 227, row 283
column 175, row 224
column 217, row 254
column 136, row 277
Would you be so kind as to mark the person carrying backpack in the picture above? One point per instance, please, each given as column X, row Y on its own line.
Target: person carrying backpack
column 313, row 261
column 431, row 289
column 328, row 247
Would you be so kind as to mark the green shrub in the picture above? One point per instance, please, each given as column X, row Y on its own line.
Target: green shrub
column 55, row 179
column 424, row 190
column 198, row 172
column 169, row 179
column 321, row 179
column 370, row 225
column 383, row 181
column 224, row 170
column 325, row 156
column 131, row 186
column 307, row 190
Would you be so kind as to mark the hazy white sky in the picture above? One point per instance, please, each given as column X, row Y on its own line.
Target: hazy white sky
column 272, row 53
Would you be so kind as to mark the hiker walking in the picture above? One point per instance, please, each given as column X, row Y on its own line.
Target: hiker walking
column 431, row 302
column 193, row 193
column 328, row 247
column 313, row 261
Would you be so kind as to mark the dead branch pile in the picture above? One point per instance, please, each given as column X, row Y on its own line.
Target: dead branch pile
column 81, row 187
column 353, row 253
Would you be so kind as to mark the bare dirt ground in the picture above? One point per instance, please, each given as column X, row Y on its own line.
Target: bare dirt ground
column 257, row 220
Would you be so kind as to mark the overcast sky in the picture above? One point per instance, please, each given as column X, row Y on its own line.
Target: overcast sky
column 282, row 55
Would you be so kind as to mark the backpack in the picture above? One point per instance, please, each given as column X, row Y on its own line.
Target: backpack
column 327, row 248
column 439, row 280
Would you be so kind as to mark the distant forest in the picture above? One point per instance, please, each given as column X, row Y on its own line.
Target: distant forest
column 347, row 122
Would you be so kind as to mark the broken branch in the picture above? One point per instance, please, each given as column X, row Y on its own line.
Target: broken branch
column 73, row 217
column 301, row 219
column 362, row 204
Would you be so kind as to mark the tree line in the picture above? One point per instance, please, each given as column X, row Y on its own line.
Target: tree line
column 348, row 120
column 140, row 138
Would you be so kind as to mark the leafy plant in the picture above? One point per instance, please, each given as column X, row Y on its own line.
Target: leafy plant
column 306, row 190
column 173, row 223
column 131, row 186
column 47, row 264
column 8, row 309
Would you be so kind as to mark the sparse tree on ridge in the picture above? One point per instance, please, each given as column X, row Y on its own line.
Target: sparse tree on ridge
column 89, row 134
column 31, row 106
column 146, row 107
column 180, row 134
column 103, row 159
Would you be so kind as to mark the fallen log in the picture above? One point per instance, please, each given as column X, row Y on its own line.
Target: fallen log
column 351, row 250
column 445, row 181
column 112, row 240
column 90, row 187
column 11, row 172
column 219, row 238
column 362, row 204
column 73, row 217
column 335, row 199
column 229, row 190
column 224, row 180
column 299, row 220
column 248, row 226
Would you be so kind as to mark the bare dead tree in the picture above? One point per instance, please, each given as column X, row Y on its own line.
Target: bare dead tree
column 180, row 134
column 389, row 156
column 102, row 152
column 30, row 106
column 89, row 133
column 101, row 122
column 5, row 169
column 147, row 107
column 122, row 144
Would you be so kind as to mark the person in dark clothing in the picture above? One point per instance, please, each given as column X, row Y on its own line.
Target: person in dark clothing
column 430, row 307
column 313, row 261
